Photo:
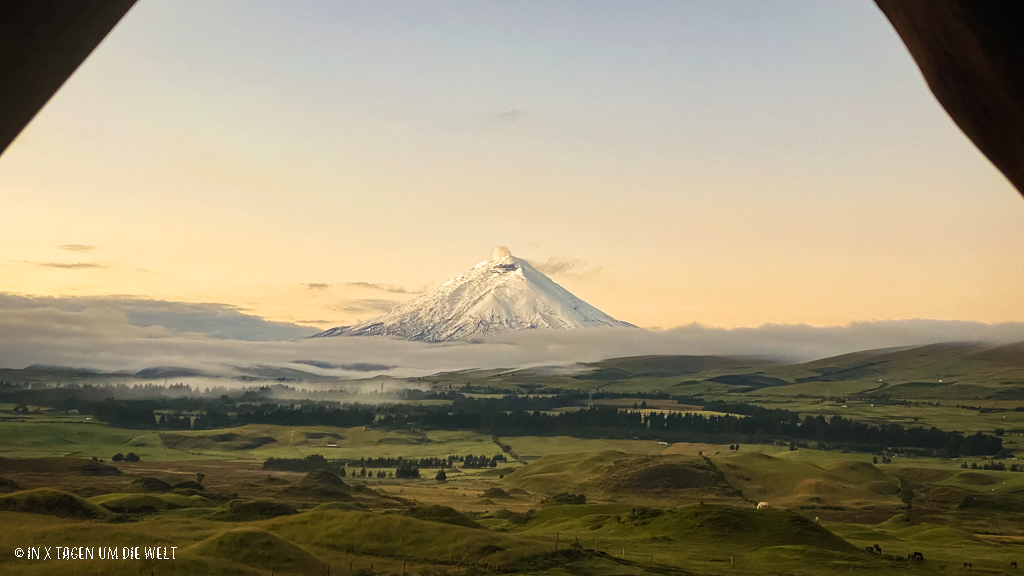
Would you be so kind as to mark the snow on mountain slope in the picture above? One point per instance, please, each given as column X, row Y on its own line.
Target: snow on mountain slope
column 500, row 295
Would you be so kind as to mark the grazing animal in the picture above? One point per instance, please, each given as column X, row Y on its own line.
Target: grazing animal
column 817, row 520
column 878, row 549
column 1013, row 564
column 762, row 506
column 968, row 565
column 918, row 557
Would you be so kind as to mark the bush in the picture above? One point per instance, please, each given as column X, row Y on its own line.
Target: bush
column 405, row 470
column 441, row 476
column 117, row 457
column 131, row 457
column 566, row 498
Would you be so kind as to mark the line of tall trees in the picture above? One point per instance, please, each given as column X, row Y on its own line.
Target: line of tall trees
column 746, row 423
column 513, row 415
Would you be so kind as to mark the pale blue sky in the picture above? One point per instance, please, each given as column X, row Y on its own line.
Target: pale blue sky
column 728, row 162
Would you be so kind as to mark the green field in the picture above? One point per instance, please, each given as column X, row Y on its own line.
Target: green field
column 651, row 507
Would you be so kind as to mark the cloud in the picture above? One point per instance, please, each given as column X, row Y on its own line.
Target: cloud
column 317, row 285
column 357, row 367
column 382, row 287
column 500, row 251
column 511, row 114
column 78, row 247
column 568, row 267
column 213, row 320
column 69, row 266
column 128, row 335
column 363, row 305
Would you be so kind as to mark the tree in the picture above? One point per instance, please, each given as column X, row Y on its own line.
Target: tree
column 131, row 457
column 406, row 470
column 118, row 457
column 441, row 476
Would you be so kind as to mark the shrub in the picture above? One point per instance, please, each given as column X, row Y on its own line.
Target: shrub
column 117, row 457
column 405, row 470
column 567, row 498
column 131, row 457
column 441, row 476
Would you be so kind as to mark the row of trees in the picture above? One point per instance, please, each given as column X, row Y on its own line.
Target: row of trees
column 503, row 416
column 404, row 465
column 746, row 423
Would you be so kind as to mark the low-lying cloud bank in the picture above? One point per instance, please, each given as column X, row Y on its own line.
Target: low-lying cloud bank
column 124, row 334
column 213, row 320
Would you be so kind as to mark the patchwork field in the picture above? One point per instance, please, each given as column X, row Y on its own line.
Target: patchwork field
column 552, row 503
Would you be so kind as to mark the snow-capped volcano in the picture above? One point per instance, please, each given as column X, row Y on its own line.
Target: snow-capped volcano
column 503, row 294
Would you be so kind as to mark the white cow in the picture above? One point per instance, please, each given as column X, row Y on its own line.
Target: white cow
column 762, row 506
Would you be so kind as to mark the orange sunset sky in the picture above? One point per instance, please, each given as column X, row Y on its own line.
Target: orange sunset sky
column 728, row 163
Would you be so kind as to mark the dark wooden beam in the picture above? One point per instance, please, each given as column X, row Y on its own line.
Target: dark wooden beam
column 42, row 42
column 971, row 53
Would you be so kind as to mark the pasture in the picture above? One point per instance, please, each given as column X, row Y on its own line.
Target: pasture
column 560, row 504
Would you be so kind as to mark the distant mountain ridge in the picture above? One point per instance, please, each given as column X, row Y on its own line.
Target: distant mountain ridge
column 502, row 294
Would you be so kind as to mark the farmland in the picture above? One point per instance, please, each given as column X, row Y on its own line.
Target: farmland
column 594, row 501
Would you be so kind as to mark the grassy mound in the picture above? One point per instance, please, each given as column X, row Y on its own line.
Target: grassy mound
column 399, row 536
column 66, row 466
column 654, row 473
column 249, row 511
column 54, row 502
column 1001, row 503
column 344, row 506
column 924, row 475
column 702, row 525
column 148, row 484
column 187, row 492
column 560, row 472
column 261, row 550
column 132, row 503
column 194, row 501
column 494, row 493
column 756, row 527
column 323, row 480
column 442, row 514
column 788, row 482
column 321, row 484
column 896, row 522
column 222, row 441
column 941, row 497
column 858, row 472
column 974, row 479
column 513, row 517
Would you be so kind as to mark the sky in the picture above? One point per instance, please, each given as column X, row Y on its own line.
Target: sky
column 733, row 164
